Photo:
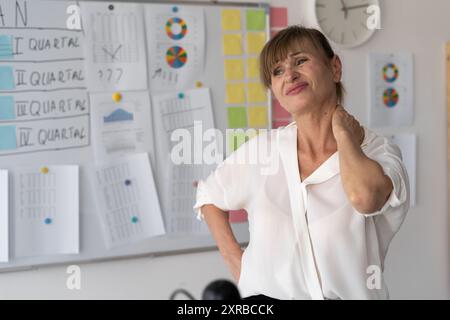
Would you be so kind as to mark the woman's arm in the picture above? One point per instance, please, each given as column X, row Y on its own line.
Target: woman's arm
column 220, row 228
column 364, row 181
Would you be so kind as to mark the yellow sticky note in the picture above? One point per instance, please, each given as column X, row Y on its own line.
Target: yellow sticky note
column 231, row 19
column 257, row 117
column 234, row 69
column 256, row 93
column 232, row 44
column 235, row 93
column 255, row 42
column 253, row 68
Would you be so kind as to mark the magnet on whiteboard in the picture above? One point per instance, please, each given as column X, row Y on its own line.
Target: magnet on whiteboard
column 199, row 84
column 181, row 95
column 117, row 97
column 44, row 170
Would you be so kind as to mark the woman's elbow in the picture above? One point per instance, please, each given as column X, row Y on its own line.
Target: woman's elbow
column 368, row 201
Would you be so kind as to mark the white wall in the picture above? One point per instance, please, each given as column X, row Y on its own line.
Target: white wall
column 418, row 262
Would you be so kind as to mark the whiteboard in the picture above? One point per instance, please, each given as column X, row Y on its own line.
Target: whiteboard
column 92, row 245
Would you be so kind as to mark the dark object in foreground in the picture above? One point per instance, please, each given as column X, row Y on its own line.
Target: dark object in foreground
column 221, row 290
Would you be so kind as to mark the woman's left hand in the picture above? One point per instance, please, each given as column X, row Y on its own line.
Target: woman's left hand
column 345, row 123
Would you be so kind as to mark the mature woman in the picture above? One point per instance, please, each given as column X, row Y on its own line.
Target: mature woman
column 321, row 223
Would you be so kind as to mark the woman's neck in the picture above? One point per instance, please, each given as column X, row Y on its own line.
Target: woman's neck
column 314, row 128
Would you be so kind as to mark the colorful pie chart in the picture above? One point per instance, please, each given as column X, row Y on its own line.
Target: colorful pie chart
column 390, row 72
column 176, row 28
column 176, row 57
column 390, row 97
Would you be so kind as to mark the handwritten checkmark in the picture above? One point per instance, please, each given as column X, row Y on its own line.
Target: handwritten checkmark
column 114, row 54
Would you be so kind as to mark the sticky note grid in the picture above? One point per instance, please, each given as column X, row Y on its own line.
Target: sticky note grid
column 243, row 37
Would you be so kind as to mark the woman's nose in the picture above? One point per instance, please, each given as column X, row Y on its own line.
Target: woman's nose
column 291, row 74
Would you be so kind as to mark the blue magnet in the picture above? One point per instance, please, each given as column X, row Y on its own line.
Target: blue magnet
column 175, row 9
column 134, row 219
column 48, row 221
column 181, row 95
column 127, row 182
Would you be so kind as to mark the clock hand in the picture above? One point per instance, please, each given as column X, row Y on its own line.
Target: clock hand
column 357, row 7
column 344, row 8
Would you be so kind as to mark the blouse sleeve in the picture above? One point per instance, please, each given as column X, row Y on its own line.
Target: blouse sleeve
column 389, row 156
column 229, row 186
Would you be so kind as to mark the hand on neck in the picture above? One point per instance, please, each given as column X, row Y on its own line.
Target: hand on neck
column 315, row 134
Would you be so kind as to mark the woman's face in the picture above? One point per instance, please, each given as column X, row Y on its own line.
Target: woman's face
column 304, row 80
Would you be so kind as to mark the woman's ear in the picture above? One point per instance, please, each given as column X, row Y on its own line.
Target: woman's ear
column 336, row 66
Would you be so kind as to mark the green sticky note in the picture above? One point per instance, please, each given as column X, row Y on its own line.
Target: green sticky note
column 237, row 117
column 256, row 19
column 236, row 138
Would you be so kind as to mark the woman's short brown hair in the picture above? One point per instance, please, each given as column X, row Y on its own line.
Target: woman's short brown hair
column 278, row 48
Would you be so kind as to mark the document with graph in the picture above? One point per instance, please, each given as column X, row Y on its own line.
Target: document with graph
column 115, row 46
column 120, row 127
column 127, row 200
column 46, row 212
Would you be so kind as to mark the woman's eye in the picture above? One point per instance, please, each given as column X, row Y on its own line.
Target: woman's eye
column 277, row 72
column 300, row 61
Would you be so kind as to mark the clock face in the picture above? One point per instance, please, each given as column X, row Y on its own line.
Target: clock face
column 345, row 21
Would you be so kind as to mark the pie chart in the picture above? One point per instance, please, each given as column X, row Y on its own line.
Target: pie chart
column 390, row 72
column 176, row 57
column 390, row 97
column 176, row 28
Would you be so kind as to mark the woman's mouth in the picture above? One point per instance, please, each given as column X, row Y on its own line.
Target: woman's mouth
column 297, row 88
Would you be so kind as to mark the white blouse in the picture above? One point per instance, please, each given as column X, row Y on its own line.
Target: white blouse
column 306, row 240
